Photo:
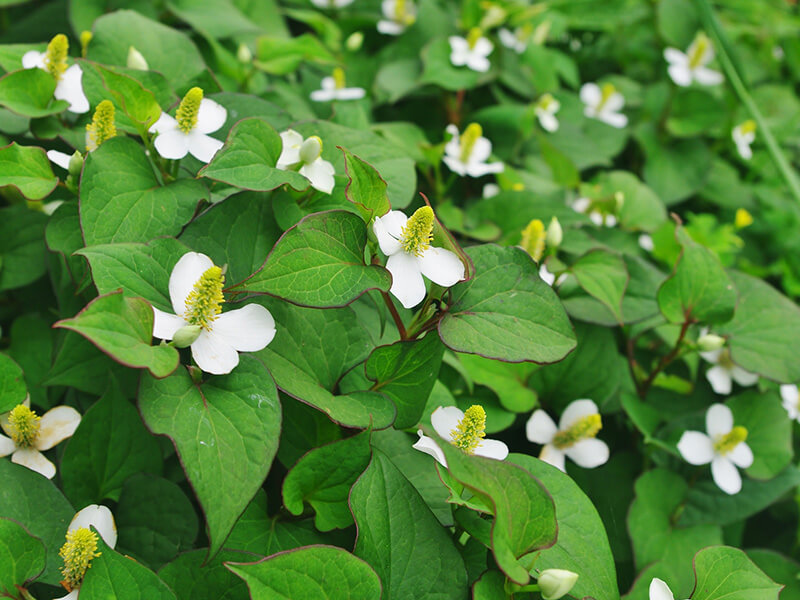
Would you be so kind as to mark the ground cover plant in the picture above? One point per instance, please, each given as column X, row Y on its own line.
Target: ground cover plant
column 400, row 299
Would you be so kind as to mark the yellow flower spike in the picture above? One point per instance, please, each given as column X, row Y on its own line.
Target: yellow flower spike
column 533, row 239
column 473, row 36
column 470, row 430
column 24, row 425
column 188, row 109
column 339, row 78
column 86, row 37
column 545, row 101
column 204, row 302
column 102, row 127
column 471, row 134
column 585, row 428
column 748, row 126
column 518, row 187
column 699, row 47
column 78, row 553
column 732, row 439
column 56, row 56
column 418, row 231
column 743, row 219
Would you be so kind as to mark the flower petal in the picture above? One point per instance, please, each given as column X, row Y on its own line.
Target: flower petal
column 481, row 169
column 35, row 461
column 290, row 154
column 680, row 74
column 455, row 165
column 246, row 329
column 7, row 446
column 210, row 116
column 165, row 325
column 320, row 174
column 213, row 355
column 553, row 456
column 354, row 93
column 407, row 283
column 57, row 424
column 59, row 158
column 540, row 428
column 445, row 420
column 614, row 119
column 790, row 394
column 719, row 420
column 575, row 411
column 546, row 276
column 481, row 150
column 588, row 453
column 725, row 475
column 675, row 56
column 720, row 380
column 483, row 46
column 441, row 266
column 547, row 120
column 70, row 88
column 203, row 147
column 185, row 274
column 323, row 95
column 614, row 103
column 428, row 446
column 99, row 517
column 73, row 595
column 390, row 28
column 478, row 63
column 33, row 59
column 742, row 377
column 172, row 144
column 741, row 455
column 706, row 76
column 388, row 229
column 459, row 49
column 163, row 124
column 492, row 449
column 590, row 94
column 660, row 590
column 696, row 448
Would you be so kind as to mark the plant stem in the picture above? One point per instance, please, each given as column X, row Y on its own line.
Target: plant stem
column 393, row 311
column 665, row 360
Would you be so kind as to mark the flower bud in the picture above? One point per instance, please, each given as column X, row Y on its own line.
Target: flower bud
column 75, row 164
column 136, row 60
column 354, row 41
column 311, row 150
column 555, row 234
column 555, row 583
column 186, row 336
column 244, row 54
column 710, row 342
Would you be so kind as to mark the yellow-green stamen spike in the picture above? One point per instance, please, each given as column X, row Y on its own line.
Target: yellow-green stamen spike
column 188, row 109
column 743, row 218
column 698, row 50
column 102, row 127
column 545, row 101
column 86, row 37
column 471, row 134
column 417, row 234
column 470, row 430
column 24, row 425
column 56, row 55
column 748, row 126
column 204, row 302
column 78, row 553
column 473, row 36
column 725, row 361
column 533, row 239
column 606, row 92
column 730, row 440
column 338, row 78
column 585, row 428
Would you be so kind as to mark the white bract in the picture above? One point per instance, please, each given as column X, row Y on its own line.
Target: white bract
column 397, row 16
column 724, row 372
column 187, row 133
column 59, row 158
column 574, row 437
column 335, row 88
column 467, row 154
column 556, row 583
column 407, row 244
column 216, row 338
column 80, row 548
column 306, row 157
column 723, row 446
column 30, row 434
column 594, row 211
column 744, row 134
column 603, row 104
column 660, row 590
column 516, row 40
column 471, row 52
column 691, row 66
column 465, row 430
column 68, row 78
column 646, row 242
column 790, row 398
column 545, row 110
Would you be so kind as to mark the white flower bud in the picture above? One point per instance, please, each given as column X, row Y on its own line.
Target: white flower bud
column 244, row 54
column 136, row 60
column 555, row 234
column 186, row 336
column 710, row 342
column 75, row 164
column 354, row 41
column 555, row 583
column 311, row 150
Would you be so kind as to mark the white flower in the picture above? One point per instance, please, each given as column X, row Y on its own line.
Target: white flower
column 467, row 154
column 646, row 242
column 791, row 400
column 743, row 135
column 195, row 289
column 660, row 590
column 398, row 15
column 81, row 545
column 465, row 430
column 306, row 156
column 331, row 3
column 574, row 437
column 594, row 212
column 472, row 51
column 68, row 79
column 725, row 371
column 545, row 110
column 685, row 68
column 188, row 131
column 516, row 40
column 724, row 447
column 556, row 583
column 30, row 434
column 603, row 104
column 406, row 243
column 334, row 88
column 490, row 190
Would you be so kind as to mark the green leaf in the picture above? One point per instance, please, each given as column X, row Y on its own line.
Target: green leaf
column 694, row 112
column 564, row 171
column 406, row 371
column 524, row 512
column 641, row 207
column 604, row 276
column 21, row 557
column 507, row 380
column 121, row 199
column 402, row 540
column 226, row 434
column 491, row 586
column 123, row 328
column 216, row 18
column 12, row 384
column 29, row 92
column 131, row 97
column 282, row 55
column 311, row 573
column 323, row 479
column 109, row 445
column 769, row 432
column 32, row 348
column 113, row 575
column 780, row 569
column 27, row 169
column 439, row 70
column 191, row 577
column 249, row 157
column 320, row 263
column 725, row 572
column 304, row 429
column 506, row 312
column 23, row 256
column 36, row 503
column 578, row 522
column 366, row 188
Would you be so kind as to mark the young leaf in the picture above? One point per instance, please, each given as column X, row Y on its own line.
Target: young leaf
column 21, row 557
column 28, row 170
column 725, row 572
column 366, row 188
column 29, row 92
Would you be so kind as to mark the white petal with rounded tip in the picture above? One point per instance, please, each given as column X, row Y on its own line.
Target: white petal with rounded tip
column 441, row 266
column 320, row 174
column 70, row 88
column 99, row 517
column 581, row 205
column 213, row 355
column 614, row 119
column 57, row 424
column 459, row 49
column 481, row 150
column 478, row 63
column 59, row 158
column 33, row 59
column 547, row 121
column 706, row 76
column 189, row 268
column 590, row 94
column 210, row 116
column 742, row 377
column 163, row 124
column 172, row 144
column 744, row 150
column 445, row 420
column 507, row 38
column 7, row 446
column 741, row 455
column 290, row 154
column 388, row 229
column 675, row 56
column 73, row 595
column 453, row 145
column 711, row 356
column 246, row 329
column 492, row 449
column 35, row 461
column 725, row 475
column 353, row 93
column 575, row 411
column 323, row 95
column 614, row 103
column 660, row 590
column 553, row 456
column 680, row 74
column 165, row 325
column 719, row 420
column 203, row 147
column 546, row 275
column 540, row 428
column 428, row 446
column 490, row 190
column 455, row 165
column 481, row 169
column 720, row 380
column 790, row 394
column 390, row 28
column 588, row 453
column 696, row 448
column 597, row 218
column 407, row 283
column 483, row 47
